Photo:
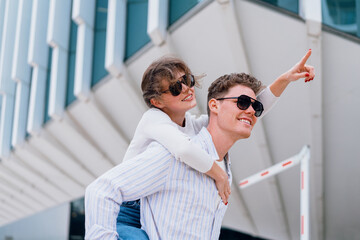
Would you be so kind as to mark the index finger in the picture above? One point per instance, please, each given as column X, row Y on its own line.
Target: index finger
column 305, row 58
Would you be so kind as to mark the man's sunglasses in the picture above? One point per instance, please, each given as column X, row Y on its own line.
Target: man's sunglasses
column 176, row 87
column 244, row 101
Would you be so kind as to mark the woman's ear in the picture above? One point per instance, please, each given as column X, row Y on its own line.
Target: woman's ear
column 156, row 103
column 213, row 105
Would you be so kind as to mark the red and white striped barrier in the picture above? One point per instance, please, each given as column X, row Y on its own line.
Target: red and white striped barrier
column 303, row 158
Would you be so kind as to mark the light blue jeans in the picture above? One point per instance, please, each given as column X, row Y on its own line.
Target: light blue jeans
column 128, row 222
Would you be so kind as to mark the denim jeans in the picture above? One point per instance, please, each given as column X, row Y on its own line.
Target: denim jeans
column 128, row 222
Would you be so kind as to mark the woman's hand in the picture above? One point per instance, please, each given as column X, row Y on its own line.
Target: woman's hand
column 301, row 70
column 223, row 187
column 221, row 181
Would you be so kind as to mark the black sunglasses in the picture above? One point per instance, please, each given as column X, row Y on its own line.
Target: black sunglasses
column 244, row 101
column 176, row 87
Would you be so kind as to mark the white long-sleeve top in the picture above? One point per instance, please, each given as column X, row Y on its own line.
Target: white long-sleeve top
column 177, row 202
column 155, row 125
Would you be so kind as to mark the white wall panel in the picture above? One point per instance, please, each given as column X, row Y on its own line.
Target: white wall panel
column 115, row 98
column 76, row 141
column 38, row 48
column 28, row 187
column 21, row 72
column 58, row 37
column 7, row 48
column 2, row 15
column 58, row 82
column 20, row 113
column 10, row 189
column 83, row 14
column 83, row 62
column 12, row 202
column 157, row 20
column 20, row 67
column 50, row 172
column 6, row 123
column 10, row 211
column 58, row 31
column 61, row 158
column 37, row 100
column 115, row 36
column 341, row 145
column 38, row 58
column 21, row 169
column 7, row 85
column 100, row 130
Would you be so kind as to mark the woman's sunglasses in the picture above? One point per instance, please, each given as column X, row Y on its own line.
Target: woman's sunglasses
column 176, row 87
column 244, row 101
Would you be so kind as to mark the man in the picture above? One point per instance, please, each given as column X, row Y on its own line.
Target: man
column 178, row 202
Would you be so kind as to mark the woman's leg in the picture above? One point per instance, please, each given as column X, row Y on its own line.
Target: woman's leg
column 128, row 222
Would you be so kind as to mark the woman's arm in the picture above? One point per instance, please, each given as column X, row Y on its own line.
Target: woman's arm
column 163, row 130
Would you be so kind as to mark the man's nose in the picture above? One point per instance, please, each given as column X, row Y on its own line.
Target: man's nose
column 250, row 110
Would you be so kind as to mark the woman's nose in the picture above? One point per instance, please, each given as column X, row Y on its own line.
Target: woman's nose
column 185, row 88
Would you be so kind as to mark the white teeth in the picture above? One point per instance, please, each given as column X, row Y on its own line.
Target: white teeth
column 187, row 97
column 245, row 121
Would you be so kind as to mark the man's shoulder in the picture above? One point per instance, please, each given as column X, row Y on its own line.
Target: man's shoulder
column 156, row 147
column 202, row 136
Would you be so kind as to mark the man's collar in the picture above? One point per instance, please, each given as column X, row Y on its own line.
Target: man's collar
column 205, row 140
column 205, row 137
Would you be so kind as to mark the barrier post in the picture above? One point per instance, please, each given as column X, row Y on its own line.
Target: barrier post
column 303, row 158
column 305, row 197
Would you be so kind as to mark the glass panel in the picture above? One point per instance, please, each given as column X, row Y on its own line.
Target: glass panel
column 342, row 15
column 70, row 97
column 2, row 17
column 47, row 91
column 290, row 5
column 178, row 8
column 0, row 107
column 77, row 220
column 99, row 70
column 37, row 226
column 229, row 234
column 27, row 135
column 136, row 26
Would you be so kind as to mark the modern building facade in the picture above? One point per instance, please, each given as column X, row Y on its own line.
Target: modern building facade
column 70, row 100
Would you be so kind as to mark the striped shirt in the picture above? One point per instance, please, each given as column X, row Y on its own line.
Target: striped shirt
column 177, row 202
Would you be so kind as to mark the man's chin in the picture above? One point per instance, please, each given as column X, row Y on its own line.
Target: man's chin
column 244, row 134
column 247, row 135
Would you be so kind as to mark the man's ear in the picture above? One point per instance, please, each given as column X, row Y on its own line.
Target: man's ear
column 213, row 105
column 156, row 103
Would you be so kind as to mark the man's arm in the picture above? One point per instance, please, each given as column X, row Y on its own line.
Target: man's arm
column 130, row 180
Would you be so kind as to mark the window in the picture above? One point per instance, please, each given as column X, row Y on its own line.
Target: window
column 290, row 5
column 77, row 220
column 136, row 26
column 99, row 71
column 342, row 15
column 70, row 97
column 178, row 8
column 47, row 88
